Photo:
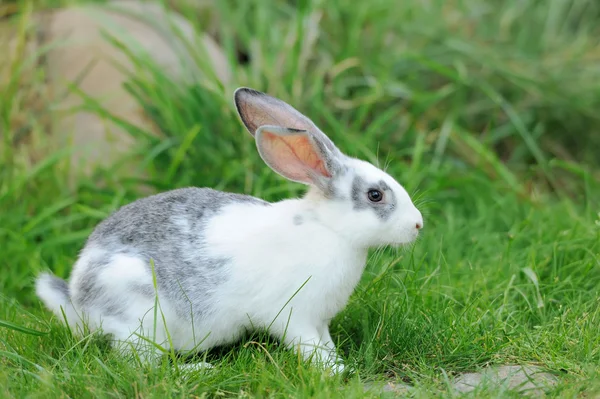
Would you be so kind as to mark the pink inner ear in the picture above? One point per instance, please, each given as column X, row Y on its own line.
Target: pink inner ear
column 294, row 156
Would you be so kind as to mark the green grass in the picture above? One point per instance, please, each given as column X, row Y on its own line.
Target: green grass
column 487, row 112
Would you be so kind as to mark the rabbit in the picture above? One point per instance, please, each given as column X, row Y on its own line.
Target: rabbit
column 194, row 268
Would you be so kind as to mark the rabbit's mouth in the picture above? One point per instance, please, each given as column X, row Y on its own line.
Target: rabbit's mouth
column 407, row 236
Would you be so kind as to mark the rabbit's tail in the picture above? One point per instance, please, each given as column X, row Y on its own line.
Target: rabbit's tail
column 54, row 292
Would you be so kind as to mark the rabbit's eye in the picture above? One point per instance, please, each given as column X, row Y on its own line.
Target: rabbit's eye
column 375, row 195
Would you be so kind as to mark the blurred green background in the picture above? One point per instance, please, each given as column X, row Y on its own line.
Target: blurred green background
column 486, row 111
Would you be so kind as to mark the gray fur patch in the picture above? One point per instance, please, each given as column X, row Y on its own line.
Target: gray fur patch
column 298, row 220
column 169, row 229
column 360, row 201
column 60, row 285
column 113, row 309
column 328, row 189
column 146, row 290
column 89, row 291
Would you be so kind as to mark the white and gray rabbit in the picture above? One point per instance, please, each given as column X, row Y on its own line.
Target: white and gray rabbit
column 217, row 264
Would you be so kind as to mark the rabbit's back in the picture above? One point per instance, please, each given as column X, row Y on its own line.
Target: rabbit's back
column 164, row 221
column 165, row 232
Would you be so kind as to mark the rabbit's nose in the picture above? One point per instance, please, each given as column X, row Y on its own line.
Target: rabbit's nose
column 419, row 221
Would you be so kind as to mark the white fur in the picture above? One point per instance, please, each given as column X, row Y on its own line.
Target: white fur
column 54, row 300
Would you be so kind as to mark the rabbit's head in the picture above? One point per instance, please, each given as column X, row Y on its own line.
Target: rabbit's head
column 352, row 197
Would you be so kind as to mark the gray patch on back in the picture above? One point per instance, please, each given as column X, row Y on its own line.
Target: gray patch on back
column 360, row 201
column 169, row 229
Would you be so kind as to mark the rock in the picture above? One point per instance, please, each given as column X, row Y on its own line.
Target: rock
column 145, row 29
column 527, row 380
column 395, row 388
column 524, row 379
column 80, row 55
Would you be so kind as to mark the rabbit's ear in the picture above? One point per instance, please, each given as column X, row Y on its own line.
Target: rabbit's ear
column 257, row 109
column 298, row 155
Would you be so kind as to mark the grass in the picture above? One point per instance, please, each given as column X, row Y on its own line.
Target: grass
column 485, row 111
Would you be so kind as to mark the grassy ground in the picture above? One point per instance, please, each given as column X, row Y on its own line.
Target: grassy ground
column 485, row 111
